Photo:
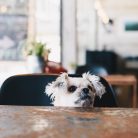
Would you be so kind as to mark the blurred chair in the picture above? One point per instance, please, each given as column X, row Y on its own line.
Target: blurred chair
column 97, row 70
column 107, row 59
column 29, row 90
column 26, row 90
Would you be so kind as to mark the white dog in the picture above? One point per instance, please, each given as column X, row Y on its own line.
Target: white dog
column 75, row 91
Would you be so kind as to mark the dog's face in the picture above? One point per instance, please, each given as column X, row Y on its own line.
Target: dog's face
column 75, row 91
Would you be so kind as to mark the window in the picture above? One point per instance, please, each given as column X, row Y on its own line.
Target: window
column 47, row 25
column 22, row 20
column 13, row 28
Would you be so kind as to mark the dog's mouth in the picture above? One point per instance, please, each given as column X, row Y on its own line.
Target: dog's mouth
column 85, row 101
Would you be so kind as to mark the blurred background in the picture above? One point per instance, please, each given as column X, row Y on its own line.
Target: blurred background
column 77, row 35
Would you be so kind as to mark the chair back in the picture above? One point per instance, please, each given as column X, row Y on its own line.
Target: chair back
column 26, row 90
column 97, row 70
column 109, row 99
column 29, row 90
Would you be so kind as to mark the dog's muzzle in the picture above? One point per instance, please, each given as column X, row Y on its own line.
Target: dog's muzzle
column 85, row 94
column 85, row 98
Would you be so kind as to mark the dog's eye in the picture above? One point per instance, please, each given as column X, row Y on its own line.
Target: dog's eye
column 72, row 88
column 90, row 88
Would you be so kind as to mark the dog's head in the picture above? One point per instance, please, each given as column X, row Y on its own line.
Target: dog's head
column 75, row 91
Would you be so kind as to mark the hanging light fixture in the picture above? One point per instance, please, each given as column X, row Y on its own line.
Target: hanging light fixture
column 3, row 8
column 101, row 13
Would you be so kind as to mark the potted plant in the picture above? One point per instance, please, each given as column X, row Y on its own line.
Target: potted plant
column 37, row 56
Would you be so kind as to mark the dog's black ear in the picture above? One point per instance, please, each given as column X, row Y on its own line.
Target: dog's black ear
column 95, row 81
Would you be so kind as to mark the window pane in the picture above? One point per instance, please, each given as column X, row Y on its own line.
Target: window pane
column 48, row 26
column 13, row 28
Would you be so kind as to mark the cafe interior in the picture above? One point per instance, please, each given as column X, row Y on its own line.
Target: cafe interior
column 96, row 36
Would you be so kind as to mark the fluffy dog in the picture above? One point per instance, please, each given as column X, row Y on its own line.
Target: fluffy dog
column 75, row 91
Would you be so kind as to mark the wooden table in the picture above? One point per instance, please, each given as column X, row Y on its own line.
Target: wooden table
column 55, row 122
column 125, row 80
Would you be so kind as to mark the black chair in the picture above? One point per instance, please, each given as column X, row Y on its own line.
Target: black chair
column 29, row 90
column 26, row 90
column 107, row 59
column 109, row 99
column 93, row 69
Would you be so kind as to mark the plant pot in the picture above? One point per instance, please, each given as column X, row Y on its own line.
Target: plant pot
column 35, row 64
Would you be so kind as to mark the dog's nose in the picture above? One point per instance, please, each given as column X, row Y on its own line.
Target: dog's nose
column 85, row 90
column 85, row 94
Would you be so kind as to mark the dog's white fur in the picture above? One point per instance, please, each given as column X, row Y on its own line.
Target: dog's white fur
column 59, row 92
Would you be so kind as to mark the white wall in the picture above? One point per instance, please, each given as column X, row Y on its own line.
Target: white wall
column 120, row 41
column 124, row 43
